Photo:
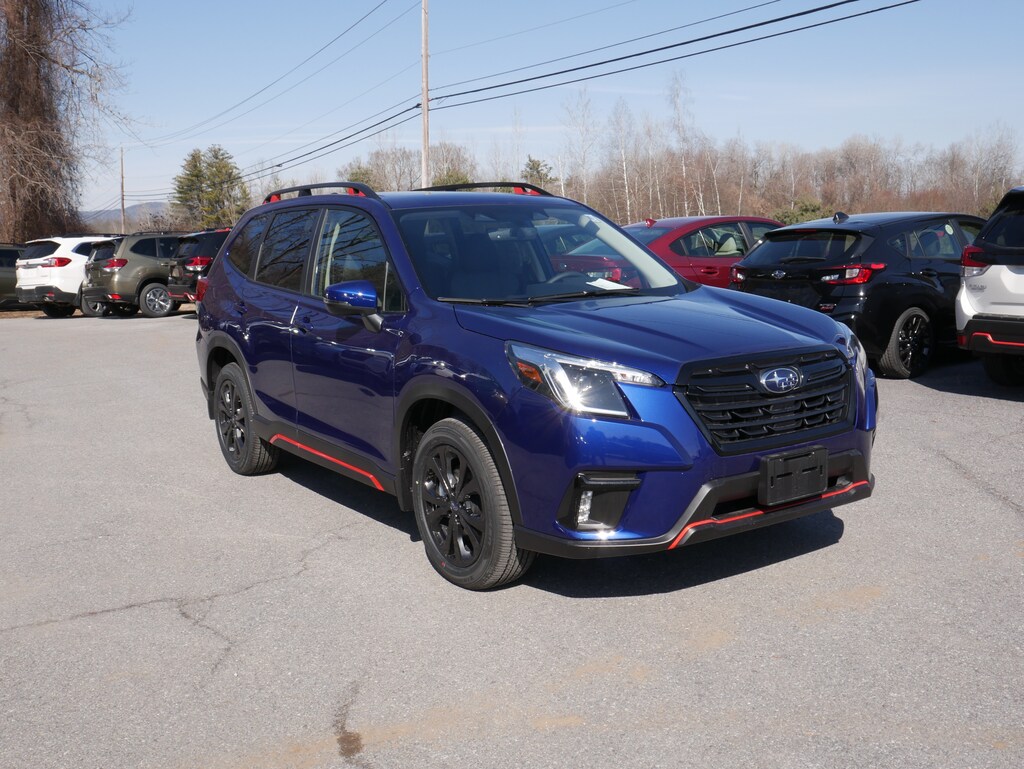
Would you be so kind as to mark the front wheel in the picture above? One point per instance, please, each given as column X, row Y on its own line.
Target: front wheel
column 909, row 352
column 246, row 453
column 155, row 302
column 462, row 510
column 1006, row 370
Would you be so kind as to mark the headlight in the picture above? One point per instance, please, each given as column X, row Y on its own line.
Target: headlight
column 578, row 384
column 857, row 356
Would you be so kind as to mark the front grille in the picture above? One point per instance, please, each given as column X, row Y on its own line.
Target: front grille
column 737, row 415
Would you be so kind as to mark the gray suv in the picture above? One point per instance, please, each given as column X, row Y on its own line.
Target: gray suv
column 134, row 276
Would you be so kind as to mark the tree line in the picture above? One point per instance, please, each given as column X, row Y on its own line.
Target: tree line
column 55, row 88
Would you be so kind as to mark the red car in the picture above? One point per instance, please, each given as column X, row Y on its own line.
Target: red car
column 702, row 248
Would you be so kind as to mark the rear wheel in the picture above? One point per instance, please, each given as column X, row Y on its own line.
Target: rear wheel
column 909, row 352
column 58, row 310
column 245, row 452
column 1007, row 370
column 94, row 309
column 462, row 511
column 155, row 302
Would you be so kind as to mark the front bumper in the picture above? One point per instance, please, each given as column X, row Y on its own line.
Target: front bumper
column 45, row 295
column 721, row 507
column 993, row 334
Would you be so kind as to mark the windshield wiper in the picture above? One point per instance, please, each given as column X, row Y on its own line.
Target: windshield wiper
column 484, row 302
column 569, row 295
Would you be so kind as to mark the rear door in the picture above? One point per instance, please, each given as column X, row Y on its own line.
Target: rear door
column 267, row 304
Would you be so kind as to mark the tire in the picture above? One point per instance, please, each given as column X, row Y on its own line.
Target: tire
column 155, row 302
column 57, row 310
column 124, row 310
column 1005, row 370
column 94, row 309
column 911, row 346
column 462, row 510
column 244, row 451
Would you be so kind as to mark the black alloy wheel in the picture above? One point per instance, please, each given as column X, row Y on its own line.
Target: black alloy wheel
column 910, row 348
column 245, row 452
column 461, row 509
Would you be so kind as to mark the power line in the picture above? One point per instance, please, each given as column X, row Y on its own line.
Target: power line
column 661, row 61
column 181, row 132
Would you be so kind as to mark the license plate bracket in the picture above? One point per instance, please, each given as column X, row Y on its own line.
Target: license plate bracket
column 792, row 475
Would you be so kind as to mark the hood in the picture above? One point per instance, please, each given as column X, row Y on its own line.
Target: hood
column 658, row 334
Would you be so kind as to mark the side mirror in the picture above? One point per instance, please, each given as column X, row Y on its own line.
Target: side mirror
column 354, row 297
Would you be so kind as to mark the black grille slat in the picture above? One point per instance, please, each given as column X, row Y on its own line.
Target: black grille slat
column 737, row 415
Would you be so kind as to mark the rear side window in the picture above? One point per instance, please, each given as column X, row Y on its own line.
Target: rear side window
column 283, row 256
column 83, row 249
column 826, row 247
column 144, row 247
column 931, row 241
column 1006, row 226
column 246, row 245
column 102, row 252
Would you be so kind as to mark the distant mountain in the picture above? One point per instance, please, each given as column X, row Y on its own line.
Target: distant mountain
column 136, row 217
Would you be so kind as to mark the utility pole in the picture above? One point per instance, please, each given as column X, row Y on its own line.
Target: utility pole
column 425, row 107
column 122, row 191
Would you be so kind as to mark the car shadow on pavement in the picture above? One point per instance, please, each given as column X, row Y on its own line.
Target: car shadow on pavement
column 687, row 567
column 959, row 374
column 603, row 577
column 344, row 491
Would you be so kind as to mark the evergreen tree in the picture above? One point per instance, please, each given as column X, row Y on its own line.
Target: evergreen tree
column 209, row 192
column 538, row 172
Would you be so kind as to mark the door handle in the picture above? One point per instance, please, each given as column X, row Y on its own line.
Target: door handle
column 930, row 273
column 708, row 271
column 240, row 308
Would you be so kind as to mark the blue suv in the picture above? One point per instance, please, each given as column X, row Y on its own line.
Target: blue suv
column 433, row 345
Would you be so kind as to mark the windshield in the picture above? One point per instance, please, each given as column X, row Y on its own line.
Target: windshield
column 824, row 247
column 507, row 254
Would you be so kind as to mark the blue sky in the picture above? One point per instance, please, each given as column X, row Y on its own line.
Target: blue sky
column 931, row 73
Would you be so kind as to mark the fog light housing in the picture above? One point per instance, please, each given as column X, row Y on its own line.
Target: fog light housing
column 596, row 501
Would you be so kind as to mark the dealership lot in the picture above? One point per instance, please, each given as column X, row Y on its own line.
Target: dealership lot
column 157, row 610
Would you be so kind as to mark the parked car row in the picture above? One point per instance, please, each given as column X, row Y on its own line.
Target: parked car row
column 112, row 274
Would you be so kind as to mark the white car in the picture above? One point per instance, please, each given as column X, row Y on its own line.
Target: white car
column 990, row 304
column 50, row 273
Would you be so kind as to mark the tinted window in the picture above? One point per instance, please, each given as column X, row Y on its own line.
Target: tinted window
column 969, row 229
column 144, row 247
column 102, row 251
column 83, row 249
column 1006, row 227
column 168, row 245
column 246, row 245
column 283, row 255
column 807, row 246
column 350, row 248
column 933, row 241
column 39, row 250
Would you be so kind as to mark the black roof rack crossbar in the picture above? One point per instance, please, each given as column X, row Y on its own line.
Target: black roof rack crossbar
column 520, row 188
column 304, row 190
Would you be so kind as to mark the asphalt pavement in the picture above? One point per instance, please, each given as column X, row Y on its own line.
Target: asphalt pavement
column 157, row 610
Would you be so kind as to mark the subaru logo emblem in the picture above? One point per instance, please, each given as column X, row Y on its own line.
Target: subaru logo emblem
column 781, row 380
column 779, row 274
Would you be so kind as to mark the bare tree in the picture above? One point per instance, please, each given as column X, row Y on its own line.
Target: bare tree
column 54, row 85
column 581, row 142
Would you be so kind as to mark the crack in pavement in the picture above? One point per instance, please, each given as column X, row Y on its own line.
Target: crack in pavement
column 195, row 609
column 987, row 488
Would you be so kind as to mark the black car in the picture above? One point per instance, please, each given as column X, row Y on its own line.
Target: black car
column 192, row 261
column 891, row 277
column 9, row 255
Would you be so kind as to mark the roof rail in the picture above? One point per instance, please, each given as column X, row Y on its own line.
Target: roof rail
column 304, row 190
column 518, row 188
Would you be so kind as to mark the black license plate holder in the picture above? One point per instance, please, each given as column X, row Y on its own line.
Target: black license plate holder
column 793, row 475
